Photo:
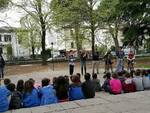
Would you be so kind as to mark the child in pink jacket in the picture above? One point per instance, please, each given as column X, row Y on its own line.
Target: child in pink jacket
column 115, row 84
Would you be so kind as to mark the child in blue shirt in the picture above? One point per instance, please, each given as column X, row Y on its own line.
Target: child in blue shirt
column 47, row 92
column 4, row 94
column 75, row 90
column 31, row 95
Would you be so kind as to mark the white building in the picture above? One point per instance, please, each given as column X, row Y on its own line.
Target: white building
column 8, row 37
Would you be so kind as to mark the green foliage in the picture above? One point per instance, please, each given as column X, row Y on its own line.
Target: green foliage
column 136, row 16
column 9, row 51
column 46, row 54
column 4, row 4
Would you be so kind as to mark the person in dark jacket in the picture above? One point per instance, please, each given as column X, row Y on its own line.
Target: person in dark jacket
column 106, row 85
column 88, row 87
column 83, row 58
column 62, row 89
column 16, row 97
column 96, row 82
column 2, row 65
column 95, row 62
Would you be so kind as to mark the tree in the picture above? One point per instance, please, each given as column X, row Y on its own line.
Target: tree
column 66, row 15
column 29, row 34
column 111, row 18
column 9, row 51
column 4, row 4
column 76, row 14
column 40, row 12
column 136, row 17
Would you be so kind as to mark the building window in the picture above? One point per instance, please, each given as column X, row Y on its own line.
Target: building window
column 0, row 38
column 7, row 38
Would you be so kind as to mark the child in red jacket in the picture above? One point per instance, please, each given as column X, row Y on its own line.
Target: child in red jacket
column 128, row 85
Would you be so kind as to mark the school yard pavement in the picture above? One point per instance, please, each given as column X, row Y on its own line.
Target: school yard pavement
column 138, row 102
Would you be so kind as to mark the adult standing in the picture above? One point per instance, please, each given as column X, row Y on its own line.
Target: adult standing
column 120, row 60
column 2, row 65
column 71, row 62
column 83, row 58
column 96, row 61
column 108, row 62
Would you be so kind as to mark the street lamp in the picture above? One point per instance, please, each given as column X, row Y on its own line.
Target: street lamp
column 52, row 52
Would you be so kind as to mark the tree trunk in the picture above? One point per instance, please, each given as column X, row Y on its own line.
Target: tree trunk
column 92, row 27
column 43, row 32
column 77, row 39
column 114, row 34
column 32, row 46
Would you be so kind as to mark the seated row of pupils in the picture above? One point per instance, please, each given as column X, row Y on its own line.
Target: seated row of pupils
column 29, row 94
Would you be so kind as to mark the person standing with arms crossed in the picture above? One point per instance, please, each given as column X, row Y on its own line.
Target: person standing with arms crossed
column 120, row 60
column 96, row 61
column 83, row 57
column 71, row 62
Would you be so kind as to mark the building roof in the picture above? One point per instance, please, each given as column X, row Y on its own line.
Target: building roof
column 7, row 29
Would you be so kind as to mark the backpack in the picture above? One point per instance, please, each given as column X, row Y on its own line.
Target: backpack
column 16, row 100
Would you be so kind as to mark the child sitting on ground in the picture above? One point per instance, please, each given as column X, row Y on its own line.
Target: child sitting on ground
column 47, row 92
column 138, row 81
column 115, row 85
column 4, row 94
column 16, row 97
column 96, row 83
column 75, row 90
column 88, row 87
column 31, row 95
column 146, row 80
column 128, row 84
column 106, row 85
column 20, row 86
column 62, row 89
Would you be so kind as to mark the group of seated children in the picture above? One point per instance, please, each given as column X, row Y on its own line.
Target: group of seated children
column 30, row 94
column 124, row 82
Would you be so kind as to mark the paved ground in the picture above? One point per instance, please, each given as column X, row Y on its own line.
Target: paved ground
column 138, row 102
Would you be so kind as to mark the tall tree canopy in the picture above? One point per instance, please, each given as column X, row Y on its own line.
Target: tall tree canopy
column 39, row 10
column 76, row 14
column 136, row 16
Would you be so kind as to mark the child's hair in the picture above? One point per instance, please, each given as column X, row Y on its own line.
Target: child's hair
column 54, row 80
column 144, row 73
column 28, row 86
column 20, row 85
column 72, row 78
column 75, row 79
column 87, row 76
column 61, row 80
column 120, row 73
column 148, row 71
column 45, row 82
column 94, row 76
column 7, row 81
column 127, row 75
column 132, row 73
column 11, row 87
column 107, row 75
column 31, row 79
column 67, row 79
column 138, row 72
column 78, row 74
column 115, row 75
